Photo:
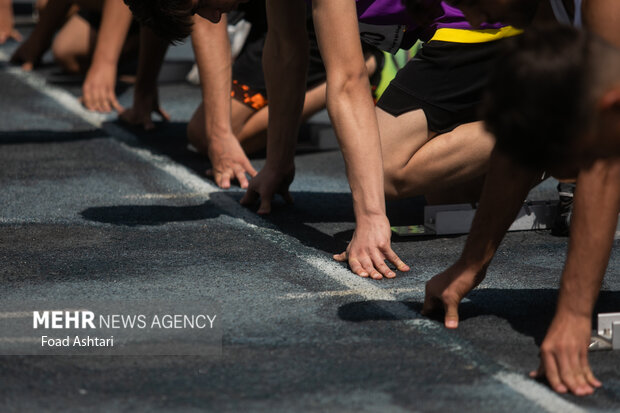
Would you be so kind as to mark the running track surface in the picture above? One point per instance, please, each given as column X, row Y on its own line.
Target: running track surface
column 94, row 210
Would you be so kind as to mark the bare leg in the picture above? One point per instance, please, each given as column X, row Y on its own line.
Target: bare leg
column 74, row 45
column 51, row 19
column 419, row 162
column 253, row 135
column 196, row 132
column 250, row 126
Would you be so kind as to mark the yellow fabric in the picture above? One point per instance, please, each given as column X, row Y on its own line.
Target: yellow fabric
column 474, row 36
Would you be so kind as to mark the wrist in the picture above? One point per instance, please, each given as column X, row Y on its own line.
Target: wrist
column 282, row 166
column 104, row 60
column 371, row 218
column 219, row 132
column 574, row 310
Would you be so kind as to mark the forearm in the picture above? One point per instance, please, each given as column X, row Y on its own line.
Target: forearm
column 506, row 187
column 358, row 136
column 350, row 104
column 213, row 57
column 603, row 18
column 285, row 62
column 151, row 57
column 6, row 6
column 51, row 18
column 593, row 225
column 115, row 21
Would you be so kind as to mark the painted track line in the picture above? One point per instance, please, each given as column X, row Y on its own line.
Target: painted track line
column 432, row 332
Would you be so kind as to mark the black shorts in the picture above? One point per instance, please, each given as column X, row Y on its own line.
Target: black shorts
column 248, row 77
column 446, row 80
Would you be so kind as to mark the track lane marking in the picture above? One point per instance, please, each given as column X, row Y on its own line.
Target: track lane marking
column 431, row 331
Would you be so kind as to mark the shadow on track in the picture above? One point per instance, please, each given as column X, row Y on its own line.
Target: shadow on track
column 46, row 136
column 169, row 139
column 135, row 215
column 528, row 311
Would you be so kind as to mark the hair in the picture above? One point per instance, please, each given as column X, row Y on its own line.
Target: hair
column 541, row 95
column 169, row 19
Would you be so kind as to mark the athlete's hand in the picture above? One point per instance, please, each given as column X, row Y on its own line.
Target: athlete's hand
column 98, row 92
column 140, row 113
column 370, row 248
column 7, row 25
column 564, row 355
column 266, row 184
column 229, row 162
column 445, row 291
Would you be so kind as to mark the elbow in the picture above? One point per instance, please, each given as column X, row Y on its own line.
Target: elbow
column 349, row 83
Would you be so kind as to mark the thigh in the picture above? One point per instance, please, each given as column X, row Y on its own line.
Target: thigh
column 76, row 39
column 401, row 136
column 241, row 113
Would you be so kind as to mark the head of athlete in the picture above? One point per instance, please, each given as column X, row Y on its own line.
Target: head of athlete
column 172, row 19
column 554, row 99
column 518, row 13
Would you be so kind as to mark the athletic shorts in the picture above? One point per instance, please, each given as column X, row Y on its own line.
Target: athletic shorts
column 248, row 77
column 444, row 79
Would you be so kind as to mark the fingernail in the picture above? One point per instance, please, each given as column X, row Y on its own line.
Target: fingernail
column 451, row 324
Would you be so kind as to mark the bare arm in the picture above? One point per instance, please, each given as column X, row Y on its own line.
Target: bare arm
column 98, row 89
column 51, row 19
column 564, row 352
column 564, row 357
column 212, row 50
column 145, row 99
column 7, row 22
column 603, row 18
column 352, row 112
column 285, row 61
column 498, row 208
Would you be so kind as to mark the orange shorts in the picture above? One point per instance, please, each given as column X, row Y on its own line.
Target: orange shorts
column 247, row 96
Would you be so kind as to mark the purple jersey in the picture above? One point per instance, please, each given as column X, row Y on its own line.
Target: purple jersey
column 388, row 25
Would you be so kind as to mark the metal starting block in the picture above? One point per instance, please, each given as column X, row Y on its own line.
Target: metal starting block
column 607, row 334
column 457, row 219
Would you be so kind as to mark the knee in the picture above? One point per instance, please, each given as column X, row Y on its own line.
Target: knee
column 393, row 182
column 65, row 57
column 196, row 135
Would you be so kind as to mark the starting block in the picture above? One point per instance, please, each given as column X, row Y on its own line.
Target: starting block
column 607, row 334
column 457, row 219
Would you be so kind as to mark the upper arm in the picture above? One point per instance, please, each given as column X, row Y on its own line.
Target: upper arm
column 603, row 18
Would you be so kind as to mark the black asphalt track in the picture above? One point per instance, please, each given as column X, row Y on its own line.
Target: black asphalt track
column 92, row 210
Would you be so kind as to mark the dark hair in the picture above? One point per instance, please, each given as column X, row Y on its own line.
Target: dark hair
column 169, row 19
column 423, row 12
column 537, row 101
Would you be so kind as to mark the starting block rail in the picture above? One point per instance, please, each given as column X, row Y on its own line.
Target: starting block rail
column 607, row 334
column 457, row 219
